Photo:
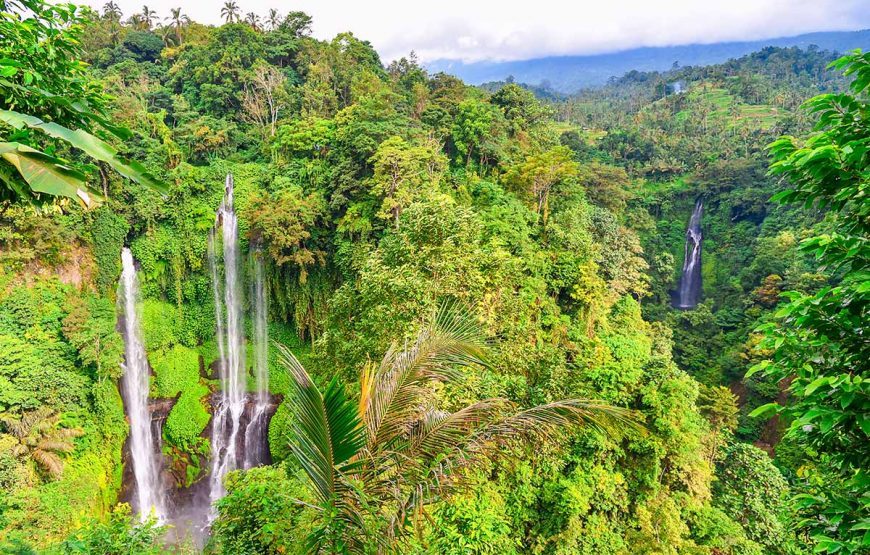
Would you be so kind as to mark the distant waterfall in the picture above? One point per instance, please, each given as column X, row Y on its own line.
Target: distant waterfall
column 256, row 431
column 231, row 345
column 690, row 281
column 149, row 495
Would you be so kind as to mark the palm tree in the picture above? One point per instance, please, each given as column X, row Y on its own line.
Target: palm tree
column 111, row 11
column 253, row 20
column 230, row 12
column 373, row 466
column 135, row 21
column 148, row 16
column 39, row 438
column 273, row 19
column 178, row 21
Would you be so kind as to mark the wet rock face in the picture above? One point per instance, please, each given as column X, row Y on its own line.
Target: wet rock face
column 159, row 410
column 248, row 419
column 189, row 506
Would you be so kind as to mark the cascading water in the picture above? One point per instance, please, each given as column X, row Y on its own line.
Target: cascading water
column 689, row 292
column 231, row 345
column 149, row 493
column 255, row 433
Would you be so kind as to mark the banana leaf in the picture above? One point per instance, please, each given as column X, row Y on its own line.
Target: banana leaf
column 47, row 174
column 91, row 145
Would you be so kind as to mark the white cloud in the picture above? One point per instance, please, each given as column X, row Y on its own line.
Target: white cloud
column 508, row 30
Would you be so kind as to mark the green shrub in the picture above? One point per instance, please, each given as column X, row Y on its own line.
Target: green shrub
column 261, row 514
column 108, row 230
column 176, row 372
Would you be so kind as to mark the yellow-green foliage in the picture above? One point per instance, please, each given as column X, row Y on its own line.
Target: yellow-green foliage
column 262, row 513
column 177, row 375
column 39, row 367
column 718, row 106
column 475, row 521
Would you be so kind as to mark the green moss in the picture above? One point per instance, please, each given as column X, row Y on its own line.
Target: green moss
column 159, row 325
column 176, row 372
column 187, row 420
column 279, row 432
column 108, row 230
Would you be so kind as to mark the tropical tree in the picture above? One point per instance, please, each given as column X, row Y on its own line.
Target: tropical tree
column 230, row 12
column 818, row 341
column 253, row 20
column 112, row 11
column 402, row 172
column 135, row 21
column 297, row 24
column 178, row 21
column 38, row 437
column 375, row 465
column 273, row 19
column 49, row 100
column 148, row 16
column 536, row 177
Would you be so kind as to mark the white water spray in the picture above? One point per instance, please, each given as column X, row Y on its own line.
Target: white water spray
column 257, row 429
column 231, row 345
column 690, row 280
column 143, row 448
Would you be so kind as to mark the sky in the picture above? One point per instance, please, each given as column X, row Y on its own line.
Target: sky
column 473, row 30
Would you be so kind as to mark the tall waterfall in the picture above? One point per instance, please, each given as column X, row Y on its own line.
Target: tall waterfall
column 149, row 493
column 690, row 281
column 231, row 345
column 256, row 431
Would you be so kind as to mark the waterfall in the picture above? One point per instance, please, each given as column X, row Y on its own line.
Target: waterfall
column 231, row 345
column 690, row 281
column 256, row 431
column 149, row 493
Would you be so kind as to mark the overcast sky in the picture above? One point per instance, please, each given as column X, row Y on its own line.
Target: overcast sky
column 509, row 30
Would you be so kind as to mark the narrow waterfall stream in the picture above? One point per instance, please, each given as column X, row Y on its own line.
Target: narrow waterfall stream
column 256, row 431
column 231, row 345
column 689, row 292
column 149, row 494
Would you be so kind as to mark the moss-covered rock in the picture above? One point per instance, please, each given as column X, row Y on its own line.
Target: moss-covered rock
column 176, row 375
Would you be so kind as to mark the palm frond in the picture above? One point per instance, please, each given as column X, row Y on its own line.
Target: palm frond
column 327, row 430
column 439, row 432
column 56, row 445
column 544, row 421
column 48, row 461
column 448, row 342
column 68, row 433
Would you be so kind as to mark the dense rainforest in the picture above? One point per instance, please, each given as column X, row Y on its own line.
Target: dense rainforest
column 457, row 309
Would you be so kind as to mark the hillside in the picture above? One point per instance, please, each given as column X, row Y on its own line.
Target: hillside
column 567, row 74
column 261, row 293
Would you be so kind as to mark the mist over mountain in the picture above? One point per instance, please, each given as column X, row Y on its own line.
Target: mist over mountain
column 567, row 74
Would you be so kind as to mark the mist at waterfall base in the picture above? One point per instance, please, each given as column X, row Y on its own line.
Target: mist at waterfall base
column 688, row 294
column 238, row 431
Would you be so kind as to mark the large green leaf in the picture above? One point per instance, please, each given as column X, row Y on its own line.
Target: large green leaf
column 46, row 174
column 88, row 143
column 327, row 428
column 80, row 107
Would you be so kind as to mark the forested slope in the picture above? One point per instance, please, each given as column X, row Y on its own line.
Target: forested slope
column 379, row 195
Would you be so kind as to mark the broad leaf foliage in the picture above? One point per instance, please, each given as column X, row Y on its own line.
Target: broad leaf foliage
column 374, row 466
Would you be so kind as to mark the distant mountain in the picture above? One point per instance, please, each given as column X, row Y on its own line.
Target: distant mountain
column 567, row 74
